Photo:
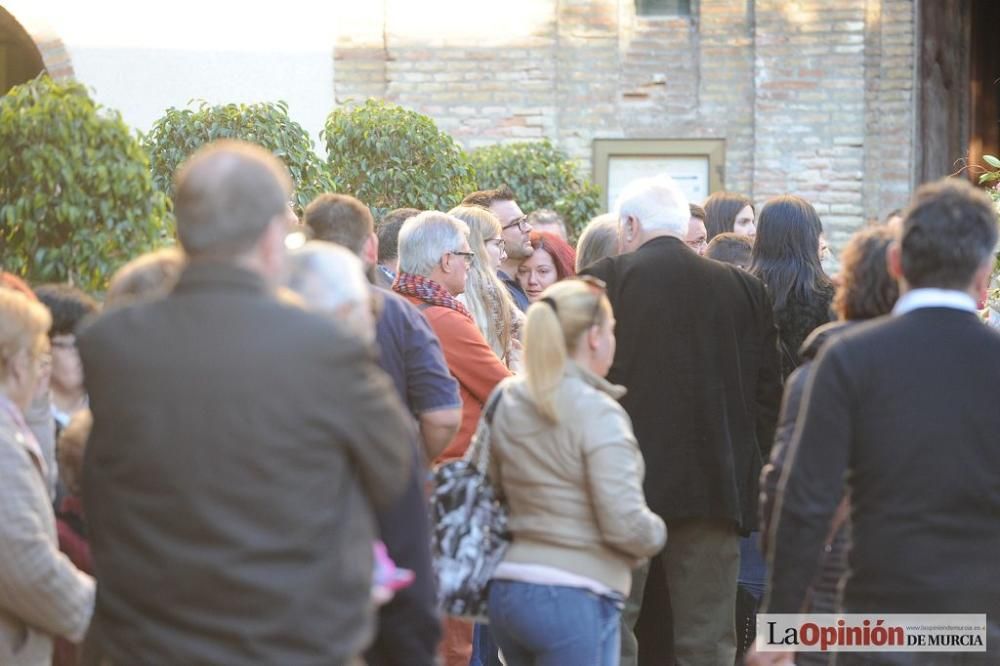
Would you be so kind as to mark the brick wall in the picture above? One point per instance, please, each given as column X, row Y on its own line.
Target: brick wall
column 813, row 97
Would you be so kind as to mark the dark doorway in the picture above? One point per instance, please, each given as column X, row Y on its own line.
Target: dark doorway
column 958, row 86
column 20, row 60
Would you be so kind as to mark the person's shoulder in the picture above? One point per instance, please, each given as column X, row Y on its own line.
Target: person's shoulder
column 395, row 307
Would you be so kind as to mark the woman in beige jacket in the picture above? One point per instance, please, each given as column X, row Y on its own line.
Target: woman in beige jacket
column 564, row 457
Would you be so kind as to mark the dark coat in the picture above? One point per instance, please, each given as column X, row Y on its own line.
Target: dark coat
column 795, row 386
column 697, row 351
column 799, row 318
column 239, row 444
column 904, row 410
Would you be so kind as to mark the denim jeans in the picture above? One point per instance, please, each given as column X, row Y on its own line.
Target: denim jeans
column 551, row 625
column 484, row 648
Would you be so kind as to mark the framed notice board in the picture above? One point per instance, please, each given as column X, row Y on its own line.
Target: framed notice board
column 697, row 165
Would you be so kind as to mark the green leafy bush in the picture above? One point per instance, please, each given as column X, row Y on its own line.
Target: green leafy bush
column 76, row 197
column 391, row 157
column 542, row 176
column 180, row 133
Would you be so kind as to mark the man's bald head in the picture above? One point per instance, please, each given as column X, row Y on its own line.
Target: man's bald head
column 225, row 196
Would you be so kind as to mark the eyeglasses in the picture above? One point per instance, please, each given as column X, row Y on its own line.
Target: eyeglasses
column 468, row 256
column 697, row 245
column 521, row 223
column 501, row 244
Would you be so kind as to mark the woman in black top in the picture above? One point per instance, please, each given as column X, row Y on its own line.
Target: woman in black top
column 786, row 258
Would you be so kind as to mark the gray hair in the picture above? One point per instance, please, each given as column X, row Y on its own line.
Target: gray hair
column 657, row 203
column 427, row 237
column 547, row 217
column 331, row 279
column 598, row 240
column 225, row 196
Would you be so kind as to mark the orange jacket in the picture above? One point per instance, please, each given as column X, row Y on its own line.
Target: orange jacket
column 473, row 364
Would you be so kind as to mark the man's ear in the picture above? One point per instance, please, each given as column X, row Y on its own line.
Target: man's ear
column 981, row 282
column 894, row 260
column 369, row 251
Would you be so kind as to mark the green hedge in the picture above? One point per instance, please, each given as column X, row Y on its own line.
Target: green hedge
column 180, row 132
column 76, row 196
column 542, row 176
column 391, row 157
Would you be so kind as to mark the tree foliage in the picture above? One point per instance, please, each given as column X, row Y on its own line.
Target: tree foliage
column 542, row 176
column 76, row 197
column 391, row 157
column 180, row 132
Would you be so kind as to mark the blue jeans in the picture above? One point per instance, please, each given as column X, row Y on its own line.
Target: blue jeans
column 550, row 625
column 484, row 649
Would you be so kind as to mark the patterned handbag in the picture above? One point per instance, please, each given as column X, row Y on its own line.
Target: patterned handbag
column 470, row 526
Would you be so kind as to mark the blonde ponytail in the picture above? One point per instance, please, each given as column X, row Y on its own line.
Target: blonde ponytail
column 555, row 326
column 544, row 357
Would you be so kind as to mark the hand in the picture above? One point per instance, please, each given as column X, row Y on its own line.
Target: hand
column 754, row 658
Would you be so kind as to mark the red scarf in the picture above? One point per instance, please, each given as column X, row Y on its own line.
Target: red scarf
column 428, row 291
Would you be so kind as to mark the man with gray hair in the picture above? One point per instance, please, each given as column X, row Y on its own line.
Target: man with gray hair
column 239, row 446
column 545, row 219
column 434, row 259
column 697, row 353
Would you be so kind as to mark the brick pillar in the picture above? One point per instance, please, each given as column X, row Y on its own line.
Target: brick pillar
column 360, row 52
column 726, row 89
column 889, row 72
column 587, row 83
column 810, row 107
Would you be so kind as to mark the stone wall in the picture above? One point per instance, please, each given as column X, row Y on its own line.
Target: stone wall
column 813, row 97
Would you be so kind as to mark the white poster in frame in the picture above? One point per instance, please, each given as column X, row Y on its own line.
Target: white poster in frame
column 690, row 172
column 698, row 165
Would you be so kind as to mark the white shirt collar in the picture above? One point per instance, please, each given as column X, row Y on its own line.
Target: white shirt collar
column 934, row 298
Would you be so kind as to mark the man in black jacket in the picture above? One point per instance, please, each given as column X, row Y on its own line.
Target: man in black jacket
column 904, row 409
column 697, row 352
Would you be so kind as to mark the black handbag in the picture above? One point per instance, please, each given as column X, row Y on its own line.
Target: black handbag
column 469, row 521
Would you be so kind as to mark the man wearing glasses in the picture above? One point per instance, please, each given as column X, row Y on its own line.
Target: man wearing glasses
column 516, row 230
column 434, row 260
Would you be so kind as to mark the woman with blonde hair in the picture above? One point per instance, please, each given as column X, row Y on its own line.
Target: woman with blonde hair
column 486, row 298
column 564, row 458
column 44, row 595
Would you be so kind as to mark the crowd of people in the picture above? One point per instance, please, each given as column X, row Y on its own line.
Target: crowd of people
column 226, row 462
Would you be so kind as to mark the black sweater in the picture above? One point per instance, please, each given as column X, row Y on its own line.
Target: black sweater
column 904, row 409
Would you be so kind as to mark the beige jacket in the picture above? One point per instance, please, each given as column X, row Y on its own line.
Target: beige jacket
column 575, row 488
column 42, row 594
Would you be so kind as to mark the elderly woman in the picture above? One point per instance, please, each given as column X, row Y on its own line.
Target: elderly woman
column 331, row 279
column 486, row 297
column 42, row 595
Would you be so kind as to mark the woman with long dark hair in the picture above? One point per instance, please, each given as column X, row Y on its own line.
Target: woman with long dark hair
column 867, row 290
column 729, row 212
column 786, row 258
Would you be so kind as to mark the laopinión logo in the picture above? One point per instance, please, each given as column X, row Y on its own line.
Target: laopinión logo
column 871, row 633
